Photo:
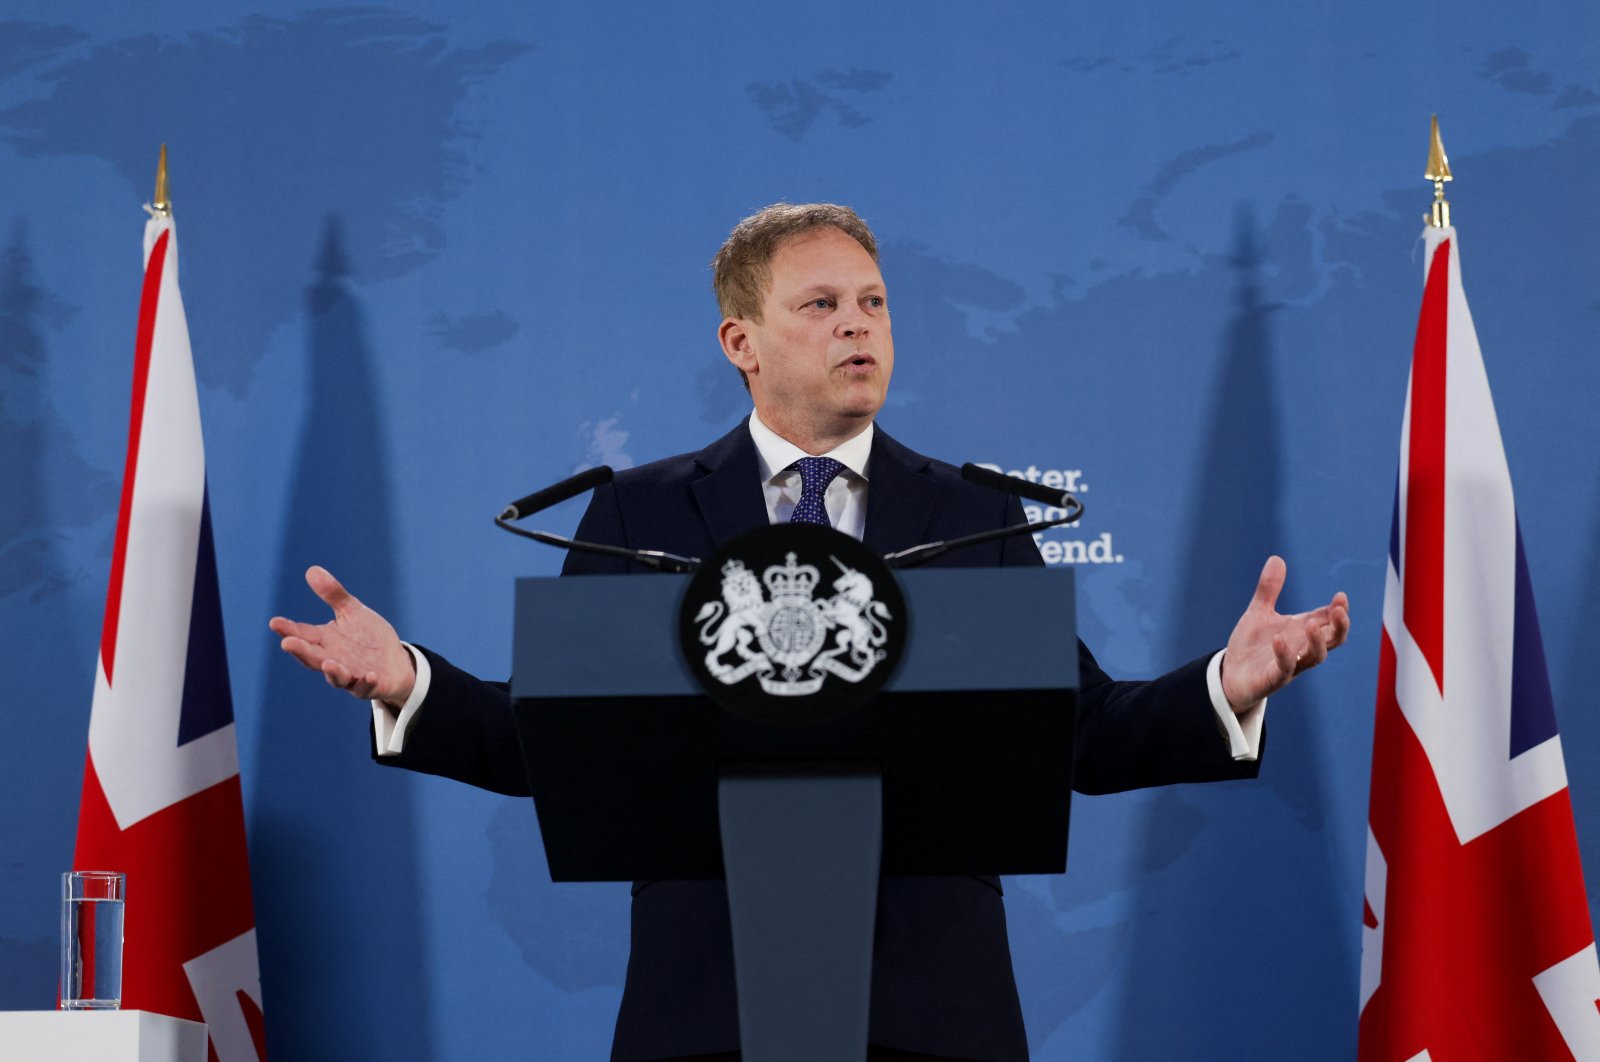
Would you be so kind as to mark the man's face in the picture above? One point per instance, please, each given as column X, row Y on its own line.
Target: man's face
column 820, row 358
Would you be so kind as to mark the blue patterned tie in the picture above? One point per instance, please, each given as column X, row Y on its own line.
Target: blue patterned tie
column 815, row 475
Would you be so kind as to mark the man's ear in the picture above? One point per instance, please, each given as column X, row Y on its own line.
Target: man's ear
column 734, row 335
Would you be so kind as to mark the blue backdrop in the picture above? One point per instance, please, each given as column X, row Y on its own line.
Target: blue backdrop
column 437, row 255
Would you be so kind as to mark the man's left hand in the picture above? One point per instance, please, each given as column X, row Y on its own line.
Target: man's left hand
column 1267, row 649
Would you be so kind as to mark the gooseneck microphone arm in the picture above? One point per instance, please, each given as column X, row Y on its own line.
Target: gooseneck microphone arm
column 571, row 488
column 988, row 477
column 1072, row 507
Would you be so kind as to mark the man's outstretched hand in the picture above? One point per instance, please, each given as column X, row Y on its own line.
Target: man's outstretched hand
column 1267, row 649
column 357, row 651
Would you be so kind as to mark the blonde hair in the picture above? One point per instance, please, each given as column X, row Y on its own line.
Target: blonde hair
column 742, row 268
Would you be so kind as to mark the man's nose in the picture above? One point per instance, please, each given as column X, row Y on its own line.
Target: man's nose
column 852, row 324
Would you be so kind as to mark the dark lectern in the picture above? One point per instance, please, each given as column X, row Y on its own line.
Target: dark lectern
column 962, row 764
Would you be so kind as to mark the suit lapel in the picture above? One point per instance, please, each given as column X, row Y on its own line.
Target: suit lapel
column 900, row 496
column 728, row 494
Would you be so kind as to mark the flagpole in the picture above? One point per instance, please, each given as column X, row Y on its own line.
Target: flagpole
column 161, row 205
column 1438, row 173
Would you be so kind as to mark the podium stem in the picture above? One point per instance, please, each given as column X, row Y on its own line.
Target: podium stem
column 802, row 850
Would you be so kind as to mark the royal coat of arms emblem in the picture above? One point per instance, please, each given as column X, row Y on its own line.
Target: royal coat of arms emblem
column 790, row 639
column 797, row 615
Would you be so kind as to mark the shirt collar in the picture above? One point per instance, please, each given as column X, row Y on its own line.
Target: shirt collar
column 775, row 454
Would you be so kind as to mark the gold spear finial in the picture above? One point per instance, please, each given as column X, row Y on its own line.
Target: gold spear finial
column 1438, row 173
column 162, row 206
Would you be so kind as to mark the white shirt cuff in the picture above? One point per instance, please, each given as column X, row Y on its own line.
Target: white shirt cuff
column 389, row 727
column 1243, row 728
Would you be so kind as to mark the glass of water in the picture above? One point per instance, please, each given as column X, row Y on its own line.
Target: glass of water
column 91, row 939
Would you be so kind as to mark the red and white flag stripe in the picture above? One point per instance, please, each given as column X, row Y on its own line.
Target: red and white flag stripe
column 161, row 796
column 1477, row 940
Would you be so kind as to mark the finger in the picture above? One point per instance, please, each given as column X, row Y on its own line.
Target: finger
column 365, row 686
column 1287, row 658
column 1334, row 620
column 288, row 628
column 1270, row 584
column 1325, row 612
column 1316, row 650
column 1322, row 616
column 1339, row 624
column 308, row 654
column 337, row 674
column 332, row 592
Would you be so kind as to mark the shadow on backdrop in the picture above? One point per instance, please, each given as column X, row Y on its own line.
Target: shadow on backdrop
column 1577, row 700
column 48, row 494
column 575, row 935
column 333, row 848
column 1225, row 897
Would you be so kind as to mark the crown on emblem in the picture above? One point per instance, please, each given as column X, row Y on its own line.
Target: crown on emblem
column 791, row 580
column 733, row 567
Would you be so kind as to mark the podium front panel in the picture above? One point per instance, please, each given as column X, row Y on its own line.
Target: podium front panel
column 973, row 734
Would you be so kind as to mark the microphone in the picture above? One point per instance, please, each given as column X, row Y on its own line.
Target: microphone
column 570, row 487
column 988, row 477
column 1071, row 509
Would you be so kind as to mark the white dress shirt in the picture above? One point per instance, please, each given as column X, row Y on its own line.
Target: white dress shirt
column 846, row 502
column 846, row 496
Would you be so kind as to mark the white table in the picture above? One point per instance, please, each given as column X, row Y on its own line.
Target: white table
column 99, row 1036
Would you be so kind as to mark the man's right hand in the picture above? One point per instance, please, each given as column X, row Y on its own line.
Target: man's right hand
column 357, row 651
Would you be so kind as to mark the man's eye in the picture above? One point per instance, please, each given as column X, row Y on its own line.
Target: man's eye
column 821, row 303
column 875, row 301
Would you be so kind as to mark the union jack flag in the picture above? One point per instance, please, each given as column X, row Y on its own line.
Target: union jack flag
column 161, row 797
column 1477, row 940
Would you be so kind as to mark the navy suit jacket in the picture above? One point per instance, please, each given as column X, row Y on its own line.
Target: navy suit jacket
column 942, row 982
